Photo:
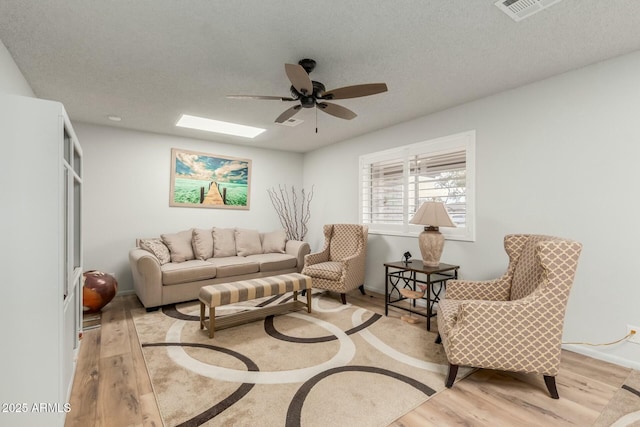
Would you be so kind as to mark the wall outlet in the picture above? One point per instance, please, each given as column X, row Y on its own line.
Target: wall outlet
column 635, row 338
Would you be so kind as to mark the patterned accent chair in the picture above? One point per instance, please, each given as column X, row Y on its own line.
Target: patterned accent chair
column 513, row 323
column 340, row 265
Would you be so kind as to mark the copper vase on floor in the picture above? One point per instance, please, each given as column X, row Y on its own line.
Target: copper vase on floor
column 98, row 290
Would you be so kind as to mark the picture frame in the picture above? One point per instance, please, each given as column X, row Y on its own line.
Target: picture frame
column 203, row 180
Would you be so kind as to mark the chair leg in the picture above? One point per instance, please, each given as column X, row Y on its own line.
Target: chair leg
column 361, row 287
column 212, row 321
column 343, row 297
column 202, row 313
column 551, row 386
column 438, row 339
column 453, row 371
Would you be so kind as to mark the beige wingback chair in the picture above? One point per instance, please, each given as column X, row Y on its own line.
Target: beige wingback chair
column 513, row 323
column 340, row 265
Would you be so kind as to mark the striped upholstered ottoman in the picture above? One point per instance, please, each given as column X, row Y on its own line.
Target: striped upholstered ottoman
column 213, row 296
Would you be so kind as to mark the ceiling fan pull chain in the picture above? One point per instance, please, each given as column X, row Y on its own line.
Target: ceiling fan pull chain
column 316, row 119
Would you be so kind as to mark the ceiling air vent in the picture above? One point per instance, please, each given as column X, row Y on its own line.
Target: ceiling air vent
column 520, row 9
column 291, row 122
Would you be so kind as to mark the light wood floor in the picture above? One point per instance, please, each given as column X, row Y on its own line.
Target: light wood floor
column 112, row 387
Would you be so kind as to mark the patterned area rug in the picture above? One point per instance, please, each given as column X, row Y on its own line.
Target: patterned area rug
column 340, row 365
column 624, row 408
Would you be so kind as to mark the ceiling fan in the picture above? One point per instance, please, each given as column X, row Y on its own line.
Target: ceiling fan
column 310, row 93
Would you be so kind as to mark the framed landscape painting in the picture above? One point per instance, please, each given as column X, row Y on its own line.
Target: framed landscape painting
column 201, row 180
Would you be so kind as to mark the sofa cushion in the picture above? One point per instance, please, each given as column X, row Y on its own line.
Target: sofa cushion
column 156, row 247
column 179, row 245
column 330, row 270
column 274, row 242
column 187, row 271
column 247, row 242
column 233, row 266
column 274, row 262
column 224, row 242
column 203, row 243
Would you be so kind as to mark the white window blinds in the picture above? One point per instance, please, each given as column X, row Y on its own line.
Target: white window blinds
column 383, row 182
column 439, row 177
column 394, row 183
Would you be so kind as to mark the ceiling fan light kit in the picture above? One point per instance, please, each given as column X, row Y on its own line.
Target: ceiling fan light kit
column 312, row 94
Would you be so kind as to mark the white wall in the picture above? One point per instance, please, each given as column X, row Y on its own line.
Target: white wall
column 126, row 192
column 557, row 157
column 12, row 81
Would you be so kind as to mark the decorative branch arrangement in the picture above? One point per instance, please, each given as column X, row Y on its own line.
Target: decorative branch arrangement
column 293, row 210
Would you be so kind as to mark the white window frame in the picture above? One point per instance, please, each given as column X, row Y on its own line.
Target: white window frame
column 456, row 142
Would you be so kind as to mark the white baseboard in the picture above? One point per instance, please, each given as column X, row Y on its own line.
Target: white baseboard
column 617, row 360
column 127, row 292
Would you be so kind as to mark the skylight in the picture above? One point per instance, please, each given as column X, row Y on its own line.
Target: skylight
column 210, row 125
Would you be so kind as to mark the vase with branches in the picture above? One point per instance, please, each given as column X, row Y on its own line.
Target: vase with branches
column 293, row 209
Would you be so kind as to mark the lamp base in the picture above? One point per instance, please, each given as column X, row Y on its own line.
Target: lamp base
column 431, row 243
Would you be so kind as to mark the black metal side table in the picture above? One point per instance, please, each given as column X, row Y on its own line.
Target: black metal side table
column 400, row 275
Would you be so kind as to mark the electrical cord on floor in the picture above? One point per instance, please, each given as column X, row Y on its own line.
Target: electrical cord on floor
column 629, row 335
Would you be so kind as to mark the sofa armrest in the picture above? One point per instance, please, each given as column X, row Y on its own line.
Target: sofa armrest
column 147, row 277
column 299, row 250
column 487, row 290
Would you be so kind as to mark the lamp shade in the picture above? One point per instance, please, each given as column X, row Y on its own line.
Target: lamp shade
column 433, row 214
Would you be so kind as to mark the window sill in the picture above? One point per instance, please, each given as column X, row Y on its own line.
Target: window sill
column 415, row 234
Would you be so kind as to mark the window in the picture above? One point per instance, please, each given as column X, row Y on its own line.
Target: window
column 395, row 182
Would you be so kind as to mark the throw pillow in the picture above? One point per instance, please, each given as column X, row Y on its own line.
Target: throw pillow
column 274, row 242
column 203, row 243
column 179, row 245
column 156, row 247
column 248, row 242
column 224, row 242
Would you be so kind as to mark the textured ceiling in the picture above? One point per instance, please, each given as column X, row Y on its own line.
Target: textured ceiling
column 150, row 61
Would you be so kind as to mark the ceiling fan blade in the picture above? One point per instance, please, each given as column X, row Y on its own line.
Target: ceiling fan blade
column 355, row 91
column 275, row 98
column 288, row 114
column 337, row 110
column 299, row 78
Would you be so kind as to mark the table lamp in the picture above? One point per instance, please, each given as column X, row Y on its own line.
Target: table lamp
column 432, row 215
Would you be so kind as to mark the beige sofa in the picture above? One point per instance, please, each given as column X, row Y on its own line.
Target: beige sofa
column 174, row 267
